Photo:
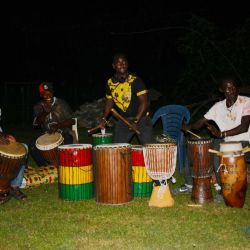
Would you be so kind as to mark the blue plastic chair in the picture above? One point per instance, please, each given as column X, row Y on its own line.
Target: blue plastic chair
column 172, row 117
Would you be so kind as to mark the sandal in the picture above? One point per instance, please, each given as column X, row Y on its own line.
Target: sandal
column 17, row 193
column 4, row 197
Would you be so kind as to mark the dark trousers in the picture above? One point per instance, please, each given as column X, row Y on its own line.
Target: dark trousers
column 35, row 153
column 123, row 134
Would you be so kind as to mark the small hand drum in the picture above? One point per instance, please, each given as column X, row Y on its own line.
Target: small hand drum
column 48, row 146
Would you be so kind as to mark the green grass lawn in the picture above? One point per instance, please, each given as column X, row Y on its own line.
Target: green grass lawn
column 45, row 221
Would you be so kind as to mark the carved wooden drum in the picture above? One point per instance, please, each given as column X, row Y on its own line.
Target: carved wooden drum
column 233, row 174
column 113, row 174
column 11, row 156
column 200, row 165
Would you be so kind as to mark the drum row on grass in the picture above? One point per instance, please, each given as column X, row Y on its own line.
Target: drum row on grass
column 115, row 173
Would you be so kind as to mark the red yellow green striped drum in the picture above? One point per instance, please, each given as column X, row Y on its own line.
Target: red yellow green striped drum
column 75, row 172
column 142, row 183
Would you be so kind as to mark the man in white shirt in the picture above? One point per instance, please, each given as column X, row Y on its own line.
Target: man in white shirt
column 232, row 115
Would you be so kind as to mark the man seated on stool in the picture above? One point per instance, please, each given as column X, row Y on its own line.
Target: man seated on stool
column 51, row 114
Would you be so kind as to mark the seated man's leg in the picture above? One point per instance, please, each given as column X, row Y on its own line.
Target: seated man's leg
column 35, row 154
column 67, row 138
column 17, row 182
column 187, row 186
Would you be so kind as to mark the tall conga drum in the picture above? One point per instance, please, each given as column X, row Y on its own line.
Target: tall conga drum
column 100, row 138
column 113, row 177
column 75, row 175
column 11, row 156
column 200, row 163
column 48, row 146
column 233, row 174
column 142, row 183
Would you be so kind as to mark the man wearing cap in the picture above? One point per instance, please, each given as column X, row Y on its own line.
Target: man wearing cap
column 52, row 115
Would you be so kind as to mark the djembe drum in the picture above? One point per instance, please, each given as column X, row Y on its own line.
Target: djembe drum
column 113, row 176
column 142, row 183
column 233, row 173
column 200, row 164
column 160, row 163
column 11, row 156
column 75, row 172
column 48, row 146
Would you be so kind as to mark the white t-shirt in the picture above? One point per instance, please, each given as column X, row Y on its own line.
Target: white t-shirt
column 229, row 118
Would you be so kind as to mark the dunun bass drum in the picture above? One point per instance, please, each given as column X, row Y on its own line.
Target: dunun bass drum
column 113, row 180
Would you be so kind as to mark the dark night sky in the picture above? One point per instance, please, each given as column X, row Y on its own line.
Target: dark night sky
column 69, row 44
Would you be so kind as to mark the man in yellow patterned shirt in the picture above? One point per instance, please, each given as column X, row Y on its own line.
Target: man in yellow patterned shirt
column 127, row 93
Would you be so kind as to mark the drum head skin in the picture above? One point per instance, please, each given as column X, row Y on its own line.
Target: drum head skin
column 194, row 140
column 102, row 135
column 14, row 149
column 159, row 145
column 137, row 147
column 231, row 146
column 75, row 146
column 113, row 145
column 49, row 141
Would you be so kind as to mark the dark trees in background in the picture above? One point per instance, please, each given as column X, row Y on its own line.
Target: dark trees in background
column 209, row 53
column 181, row 60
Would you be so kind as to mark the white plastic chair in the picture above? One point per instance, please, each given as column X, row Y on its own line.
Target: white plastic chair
column 74, row 128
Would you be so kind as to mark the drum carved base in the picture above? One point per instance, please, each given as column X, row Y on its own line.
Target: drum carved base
column 201, row 191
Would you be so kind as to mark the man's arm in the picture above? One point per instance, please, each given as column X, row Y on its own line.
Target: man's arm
column 109, row 103
column 242, row 128
column 143, row 106
column 196, row 125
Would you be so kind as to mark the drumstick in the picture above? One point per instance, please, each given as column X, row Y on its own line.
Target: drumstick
column 190, row 132
column 92, row 130
column 194, row 205
column 117, row 115
column 245, row 149
column 215, row 151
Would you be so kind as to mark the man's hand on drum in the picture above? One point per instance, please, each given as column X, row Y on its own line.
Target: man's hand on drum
column 103, row 122
column 184, row 127
column 214, row 131
column 6, row 139
column 53, row 128
column 133, row 125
